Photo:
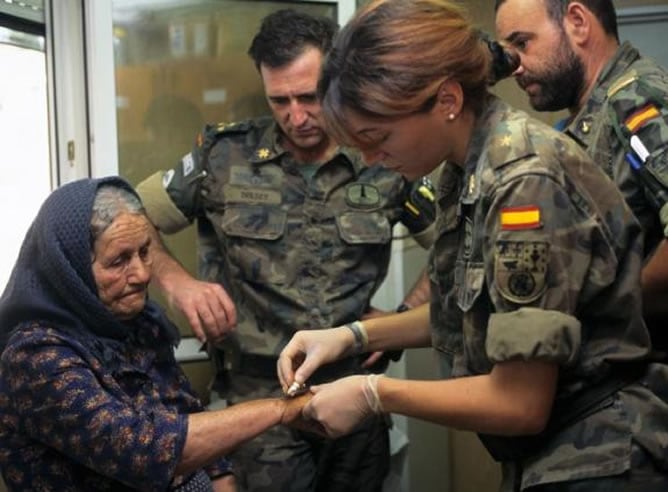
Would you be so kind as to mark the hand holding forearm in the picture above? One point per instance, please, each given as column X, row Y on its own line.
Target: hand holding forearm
column 342, row 405
column 294, row 418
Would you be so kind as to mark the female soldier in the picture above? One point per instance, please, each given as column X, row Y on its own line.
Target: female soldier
column 534, row 271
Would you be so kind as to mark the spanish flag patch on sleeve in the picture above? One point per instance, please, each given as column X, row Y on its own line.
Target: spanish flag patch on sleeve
column 640, row 117
column 518, row 218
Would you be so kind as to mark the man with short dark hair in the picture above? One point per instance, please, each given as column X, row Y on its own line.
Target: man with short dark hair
column 294, row 233
column 571, row 58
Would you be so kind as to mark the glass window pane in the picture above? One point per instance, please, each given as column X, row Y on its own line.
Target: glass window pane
column 31, row 10
column 24, row 139
column 179, row 65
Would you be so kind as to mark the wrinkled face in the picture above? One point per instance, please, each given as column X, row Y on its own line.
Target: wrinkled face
column 122, row 265
column 551, row 73
column 291, row 94
column 412, row 145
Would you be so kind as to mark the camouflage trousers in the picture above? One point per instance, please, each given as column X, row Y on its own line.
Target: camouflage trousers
column 643, row 476
column 285, row 460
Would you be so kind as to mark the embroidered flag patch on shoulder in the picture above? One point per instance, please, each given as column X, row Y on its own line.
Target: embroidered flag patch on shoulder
column 640, row 117
column 518, row 218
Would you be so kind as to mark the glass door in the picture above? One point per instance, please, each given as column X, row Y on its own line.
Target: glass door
column 179, row 65
column 24, row 126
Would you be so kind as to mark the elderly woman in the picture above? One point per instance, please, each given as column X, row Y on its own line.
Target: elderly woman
column 91, row 396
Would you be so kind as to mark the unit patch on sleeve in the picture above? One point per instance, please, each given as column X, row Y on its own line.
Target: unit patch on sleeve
column 188, row 164
column 520, row 269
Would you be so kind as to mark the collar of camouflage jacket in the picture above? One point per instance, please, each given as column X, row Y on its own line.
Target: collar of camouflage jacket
column 269, row 148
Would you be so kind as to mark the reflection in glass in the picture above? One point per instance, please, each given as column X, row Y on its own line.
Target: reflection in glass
column 179, row 65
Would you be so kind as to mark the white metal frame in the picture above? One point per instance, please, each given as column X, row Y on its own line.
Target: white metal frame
column 101, row 81
column 21, row 11
column 66, row 75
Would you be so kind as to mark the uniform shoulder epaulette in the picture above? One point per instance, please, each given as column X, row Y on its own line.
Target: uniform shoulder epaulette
column 233, row 127
column 212, row 132
column 510, row 143
column 632, row 107
column 626, row 79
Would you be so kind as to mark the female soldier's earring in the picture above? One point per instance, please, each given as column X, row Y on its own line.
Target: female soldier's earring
column 451, row 116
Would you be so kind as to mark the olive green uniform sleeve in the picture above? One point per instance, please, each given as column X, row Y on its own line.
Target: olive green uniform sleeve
column 537, row 270
column 172, row 197
column 639, row 113
column 160, row 208
column 531, row 333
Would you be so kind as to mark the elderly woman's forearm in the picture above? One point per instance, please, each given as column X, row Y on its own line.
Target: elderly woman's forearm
column 214, row 434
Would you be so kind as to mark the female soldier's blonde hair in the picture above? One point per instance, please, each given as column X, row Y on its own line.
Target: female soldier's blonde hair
column 392, row 56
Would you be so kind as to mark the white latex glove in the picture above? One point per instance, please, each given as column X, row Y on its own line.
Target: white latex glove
column 310, row 349
column 342, row 405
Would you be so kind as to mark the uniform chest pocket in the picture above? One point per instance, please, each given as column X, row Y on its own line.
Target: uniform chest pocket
column 253, row 243
column 600, row 142
column 470, row 281
column 254, row 222
column 364, row 228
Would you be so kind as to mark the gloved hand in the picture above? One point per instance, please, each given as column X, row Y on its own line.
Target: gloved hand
column 310, row 349
column 294, row 418
column 342, row 405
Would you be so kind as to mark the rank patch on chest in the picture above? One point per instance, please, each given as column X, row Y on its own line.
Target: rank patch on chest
column 519, row 218
column 520, row 269
column 362, row 195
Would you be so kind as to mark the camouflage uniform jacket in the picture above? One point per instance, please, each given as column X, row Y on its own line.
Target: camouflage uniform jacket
column 295, row 251
column 630, row 98
column 536, row 256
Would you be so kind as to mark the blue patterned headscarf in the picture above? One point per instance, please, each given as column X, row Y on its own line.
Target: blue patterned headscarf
column 53, row 281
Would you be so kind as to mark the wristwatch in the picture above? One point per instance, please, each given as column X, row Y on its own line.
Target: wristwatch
column 402, row 307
